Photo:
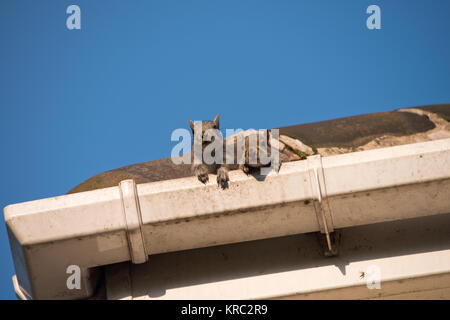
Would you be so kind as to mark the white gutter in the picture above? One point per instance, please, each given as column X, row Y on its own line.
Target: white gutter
column 123, row 223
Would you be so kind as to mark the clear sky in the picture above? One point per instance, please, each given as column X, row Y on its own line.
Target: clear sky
column 75, row 103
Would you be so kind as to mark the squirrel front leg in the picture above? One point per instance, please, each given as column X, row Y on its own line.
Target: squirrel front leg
column 201, row 171
column 222, row 177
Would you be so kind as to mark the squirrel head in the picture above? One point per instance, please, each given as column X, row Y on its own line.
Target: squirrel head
column 206, row 125
column 200, row 128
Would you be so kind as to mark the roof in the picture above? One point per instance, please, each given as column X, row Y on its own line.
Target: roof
column 356, row 133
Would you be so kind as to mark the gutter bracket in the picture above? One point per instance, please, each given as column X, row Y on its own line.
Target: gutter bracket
column 132, row 214
column 321, row 206
column 20, row 293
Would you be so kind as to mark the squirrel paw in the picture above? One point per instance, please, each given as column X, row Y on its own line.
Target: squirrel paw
column 203, row 177
column 222, row 178
column 202, row 173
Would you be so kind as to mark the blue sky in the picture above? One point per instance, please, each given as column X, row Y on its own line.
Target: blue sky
column 75, row 103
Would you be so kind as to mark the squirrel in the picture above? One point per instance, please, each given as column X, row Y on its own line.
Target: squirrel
column 252, row 142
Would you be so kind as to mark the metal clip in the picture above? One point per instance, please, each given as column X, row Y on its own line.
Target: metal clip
column 321, row 205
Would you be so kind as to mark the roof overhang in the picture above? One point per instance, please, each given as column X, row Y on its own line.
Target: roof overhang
column 129, row 222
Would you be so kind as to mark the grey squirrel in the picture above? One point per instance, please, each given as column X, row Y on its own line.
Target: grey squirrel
column 255, row 150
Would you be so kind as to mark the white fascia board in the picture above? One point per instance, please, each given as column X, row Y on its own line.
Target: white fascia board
column 411, row 258
column 92, row 228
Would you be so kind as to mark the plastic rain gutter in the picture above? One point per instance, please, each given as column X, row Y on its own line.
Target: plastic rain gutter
column 129, row 222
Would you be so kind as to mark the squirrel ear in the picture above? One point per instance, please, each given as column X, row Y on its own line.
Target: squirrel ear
column 216, row 121
column 192, row 125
